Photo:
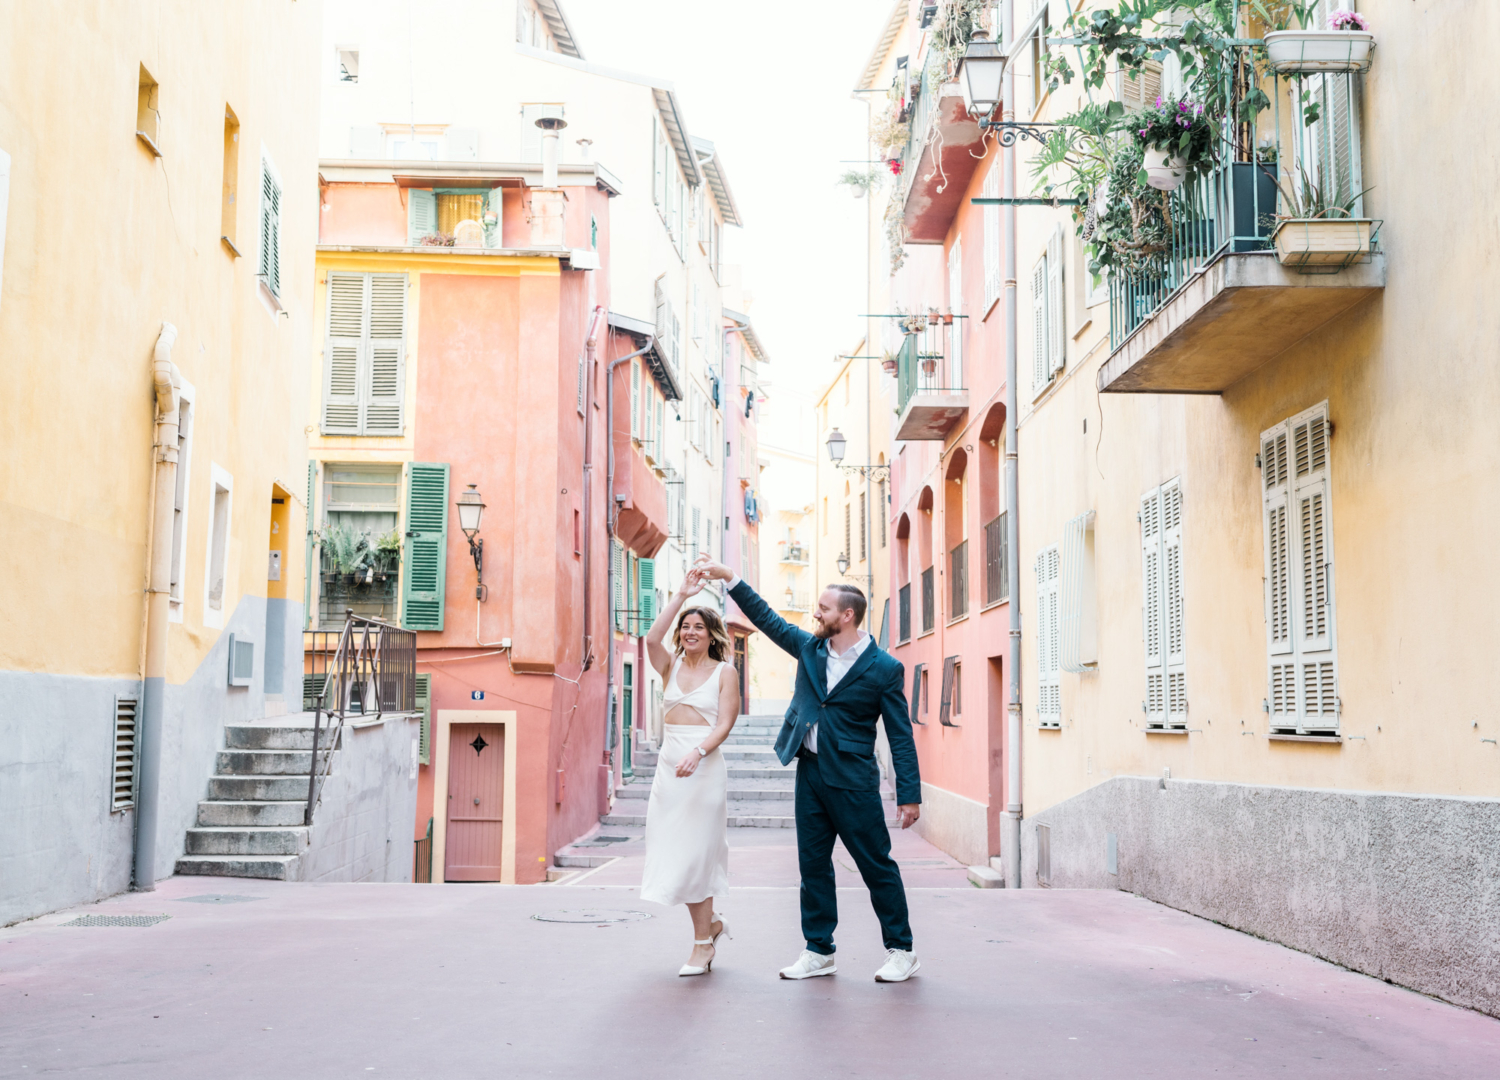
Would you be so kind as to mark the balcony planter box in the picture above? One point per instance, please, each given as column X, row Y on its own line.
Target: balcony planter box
column 1162, row 172
column 1327, row 244
column 1319, row 51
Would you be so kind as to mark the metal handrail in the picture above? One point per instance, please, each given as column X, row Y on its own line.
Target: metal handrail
column 373, row 664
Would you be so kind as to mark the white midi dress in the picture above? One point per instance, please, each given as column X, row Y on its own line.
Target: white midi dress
column 687, row 817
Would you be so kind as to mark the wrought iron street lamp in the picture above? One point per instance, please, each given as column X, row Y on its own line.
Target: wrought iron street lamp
column 983, row 66
column 836, row 443
column 843, row 563
column 470, row 512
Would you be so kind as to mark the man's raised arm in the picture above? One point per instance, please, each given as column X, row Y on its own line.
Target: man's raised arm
column 783, row 633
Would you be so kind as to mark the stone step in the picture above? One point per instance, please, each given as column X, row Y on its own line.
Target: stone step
column 268, row 762
column 762, row 772
column 242, row 841
column 285, row 812
column 561, row 873
column 279, row 737
column 766, row 790
column 577, row 861
column 273, row 867
column 258, row 788
column 750, row 754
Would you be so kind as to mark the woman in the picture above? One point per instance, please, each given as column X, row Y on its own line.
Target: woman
column 687, row 841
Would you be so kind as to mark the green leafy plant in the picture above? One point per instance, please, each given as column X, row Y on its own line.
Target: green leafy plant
column 1180, row 129
column 1305, row 197
column 1132, row 229
column 952, row 28
column 345, row 550
column 437, row 239
column 863, row 179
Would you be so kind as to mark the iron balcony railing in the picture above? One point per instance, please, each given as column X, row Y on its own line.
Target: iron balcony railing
column 793, row 553
column 995, row 586
column 367, row 668
column 930, row 361
column 796, row 601
column 1233, row 208
column 903, row 613
column 958, row 579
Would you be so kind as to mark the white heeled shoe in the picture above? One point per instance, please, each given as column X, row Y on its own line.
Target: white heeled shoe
column 723, row 930
column 688, row 969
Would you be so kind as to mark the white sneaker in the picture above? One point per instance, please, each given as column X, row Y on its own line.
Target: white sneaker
column 810, row 964
column 899, row 966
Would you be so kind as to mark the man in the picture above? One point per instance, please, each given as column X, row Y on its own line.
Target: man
column 844, row 681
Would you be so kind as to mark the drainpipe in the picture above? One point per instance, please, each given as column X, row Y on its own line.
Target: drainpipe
column 609, row 523
column 550, row 127
column 590, row 345
column 167, row 381
column 1011, row 842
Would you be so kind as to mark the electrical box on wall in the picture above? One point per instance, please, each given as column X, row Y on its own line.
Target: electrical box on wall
column 241, row 661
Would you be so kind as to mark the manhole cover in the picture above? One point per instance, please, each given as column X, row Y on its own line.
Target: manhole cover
column 215, row 898
column 118, row 920
column 591, row 916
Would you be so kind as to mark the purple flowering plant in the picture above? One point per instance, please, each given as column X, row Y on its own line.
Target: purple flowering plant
column 1179, row 127
column 1348, row 20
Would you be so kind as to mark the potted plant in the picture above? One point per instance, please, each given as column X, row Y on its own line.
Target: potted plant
column 1319, row 229
column 860, row 181
column 889, row 363
column 1344, row 47
column 911, row 322
column 1177, row 137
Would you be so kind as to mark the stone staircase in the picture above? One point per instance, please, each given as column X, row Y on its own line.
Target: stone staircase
column 761, row 789
column 251, row 823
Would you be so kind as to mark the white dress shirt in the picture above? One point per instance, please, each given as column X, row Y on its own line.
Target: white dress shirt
column 838, row 667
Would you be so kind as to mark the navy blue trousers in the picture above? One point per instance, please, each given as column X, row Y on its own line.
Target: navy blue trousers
column 858, row 819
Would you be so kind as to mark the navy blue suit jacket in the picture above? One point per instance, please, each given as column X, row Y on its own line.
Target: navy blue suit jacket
column 873, row 687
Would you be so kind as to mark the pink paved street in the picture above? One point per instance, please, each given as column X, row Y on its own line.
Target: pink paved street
column 416, row 981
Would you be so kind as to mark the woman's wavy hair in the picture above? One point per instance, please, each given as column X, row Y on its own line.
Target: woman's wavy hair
column 718, row 634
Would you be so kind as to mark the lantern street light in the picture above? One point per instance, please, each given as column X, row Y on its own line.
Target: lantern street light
column 983, row 66
column 843, row 563
column 470, row 511
column 836, row 446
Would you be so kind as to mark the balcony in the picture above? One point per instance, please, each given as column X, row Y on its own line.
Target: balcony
column 793, row 554
column 941, row 155
column 930, row 396
column 1218, row 304
column 795, row 601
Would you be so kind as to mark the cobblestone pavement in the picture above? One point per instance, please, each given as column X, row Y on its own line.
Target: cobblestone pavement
column 418, row 981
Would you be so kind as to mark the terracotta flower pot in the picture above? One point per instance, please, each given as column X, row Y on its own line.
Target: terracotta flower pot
column 929, row 366
column 888, row 366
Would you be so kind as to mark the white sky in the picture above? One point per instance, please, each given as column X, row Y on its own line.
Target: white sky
column 770, row 84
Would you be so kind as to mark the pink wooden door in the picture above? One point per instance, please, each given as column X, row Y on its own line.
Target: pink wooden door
column 476, row 789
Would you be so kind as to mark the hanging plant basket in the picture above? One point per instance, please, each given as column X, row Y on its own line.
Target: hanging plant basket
column 1322, row 245
column 889, row 365
column 1163, row 172
column 929, row 365
column 1311, row 52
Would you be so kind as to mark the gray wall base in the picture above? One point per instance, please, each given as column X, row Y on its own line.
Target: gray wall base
column 362, row 827
column 1402, row 887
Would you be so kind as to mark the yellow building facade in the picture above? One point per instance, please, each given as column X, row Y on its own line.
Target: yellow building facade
column 1255, row 510
column 158, row 214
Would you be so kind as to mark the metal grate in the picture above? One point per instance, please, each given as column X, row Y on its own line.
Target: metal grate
column 125, row 735
column 117, row 920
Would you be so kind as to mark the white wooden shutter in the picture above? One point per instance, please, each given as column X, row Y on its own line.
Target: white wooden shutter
column 1151, row 608
column 635, row 399
column 270, row 231
column 1057, row 338
column 1174, row 644
column 1049, row 691
column 1300, row 624
column 384, row 378
column 341, row 358
column 1040, row 372
column 956, row 305
column 992, row 275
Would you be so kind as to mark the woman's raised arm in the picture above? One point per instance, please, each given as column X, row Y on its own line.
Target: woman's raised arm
column 656, row 649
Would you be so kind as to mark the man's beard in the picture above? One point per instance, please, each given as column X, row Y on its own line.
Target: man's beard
column 823, row 631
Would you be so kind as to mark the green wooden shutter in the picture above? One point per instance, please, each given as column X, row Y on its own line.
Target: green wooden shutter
column 647, row 574
column 424, row 702
column 421, row 215
column 424, row 569
column 307, row 561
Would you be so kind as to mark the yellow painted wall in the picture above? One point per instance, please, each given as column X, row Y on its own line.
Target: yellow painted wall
column 104, row 242
column 1413, row 395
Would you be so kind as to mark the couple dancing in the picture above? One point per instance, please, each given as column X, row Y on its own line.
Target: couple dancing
column 844, row 681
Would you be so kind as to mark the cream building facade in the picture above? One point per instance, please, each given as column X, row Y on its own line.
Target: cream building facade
column 157, row 220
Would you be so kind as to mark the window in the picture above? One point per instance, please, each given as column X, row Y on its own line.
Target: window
column 958, row 580
column 697, row 548
column 1161, row 604
column 1079, row 606
column 993, row 277
column 848, row 534
column 1049, row 336
column 956, row 305
column 1301, row 636
column 903, row 613
column 922, row 691
column 881, row 509
column 228, row 231
column 862, row 515
column 359, row 543
column 364, row 361
column 951, row 704
column 148, row 112
column 659, row 151
column 929, row 601
column 996, row 581
column 269, row 265
column 825, row 515
column 635, row 400
column 347, row 58
column 1049, row 691
column 180, row 501
column 220, row 507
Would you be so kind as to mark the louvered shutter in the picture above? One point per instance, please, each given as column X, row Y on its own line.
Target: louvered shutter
column 384, row 385
column 1151, row 608
column 646, row 573
column 1049, row 691
column 421, row 215
column 1314, row 561
column 270, row 231
column 424, row 703
column 992, row 274
column 341, row 361
column 1057, row 338
column 1040, row 372
column 956, row 305
column 617, row 569
column 1282, row 674
column 635, row 400
column 424, row 572
column 1174, row 644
